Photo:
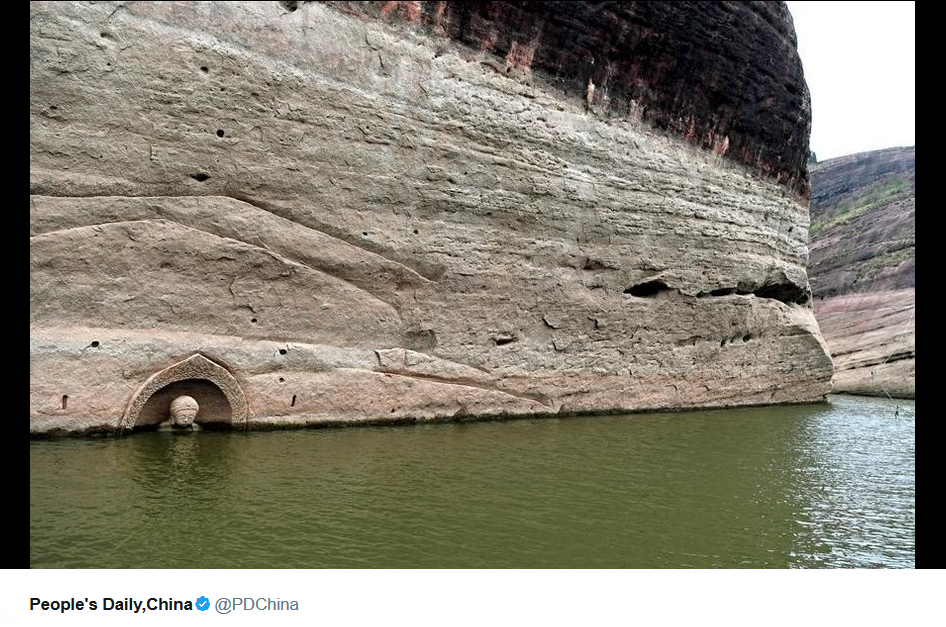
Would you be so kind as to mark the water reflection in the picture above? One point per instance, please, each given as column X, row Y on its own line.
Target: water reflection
column 860, row 486
column 822, row 485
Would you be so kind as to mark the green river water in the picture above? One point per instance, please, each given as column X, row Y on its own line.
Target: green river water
column 827, row 485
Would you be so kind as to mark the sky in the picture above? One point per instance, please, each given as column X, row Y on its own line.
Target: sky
column 860, row 64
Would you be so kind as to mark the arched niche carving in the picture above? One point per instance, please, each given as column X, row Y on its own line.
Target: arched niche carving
column 195, row 367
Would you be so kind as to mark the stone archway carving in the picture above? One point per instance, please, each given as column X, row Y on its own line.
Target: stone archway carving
column 194, row 367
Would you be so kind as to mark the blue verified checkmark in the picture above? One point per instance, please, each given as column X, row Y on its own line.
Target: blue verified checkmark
column 203, row 604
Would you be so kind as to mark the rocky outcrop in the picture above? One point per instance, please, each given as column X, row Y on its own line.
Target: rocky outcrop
column 358, row 214
column 863, row 268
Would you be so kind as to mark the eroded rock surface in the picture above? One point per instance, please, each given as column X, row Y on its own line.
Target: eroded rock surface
column 872, row 336
column 363, row 217
column 863, row 268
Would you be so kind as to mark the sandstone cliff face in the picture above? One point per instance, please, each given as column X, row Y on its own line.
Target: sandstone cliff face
column 307, row 214
column 863, row 268
column 724, row 75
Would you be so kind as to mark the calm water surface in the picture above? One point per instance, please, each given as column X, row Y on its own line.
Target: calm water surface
column 811, row 486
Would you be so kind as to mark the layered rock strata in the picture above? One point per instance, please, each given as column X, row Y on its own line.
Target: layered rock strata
column 863, row 268
column 313, row 214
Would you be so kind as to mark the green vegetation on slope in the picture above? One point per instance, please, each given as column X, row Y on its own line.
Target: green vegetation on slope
column 890, row 259
column 877, row 196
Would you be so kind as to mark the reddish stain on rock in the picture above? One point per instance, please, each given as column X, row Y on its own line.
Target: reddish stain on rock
column 410, row 12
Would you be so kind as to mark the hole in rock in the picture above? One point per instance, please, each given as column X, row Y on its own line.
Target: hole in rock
column 785, row 292
column 647, row 289
column 200, row 177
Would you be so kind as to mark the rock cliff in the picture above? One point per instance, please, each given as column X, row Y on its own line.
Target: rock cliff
column 313, row 214
column 863, row 268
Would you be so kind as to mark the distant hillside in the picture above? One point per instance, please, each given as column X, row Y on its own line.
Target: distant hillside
column 863, row 225
column 862, row 268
